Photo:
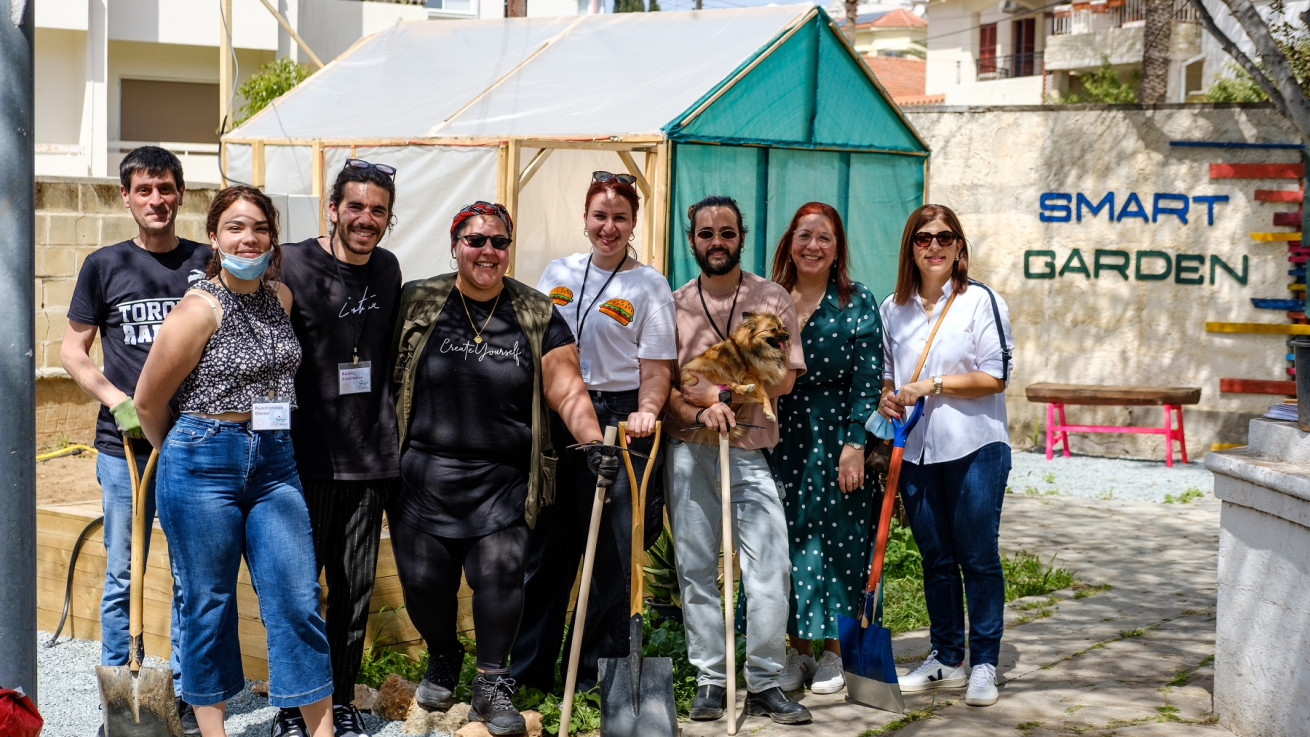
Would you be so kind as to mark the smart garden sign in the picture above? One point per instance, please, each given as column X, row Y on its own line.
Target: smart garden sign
column 1143, row 265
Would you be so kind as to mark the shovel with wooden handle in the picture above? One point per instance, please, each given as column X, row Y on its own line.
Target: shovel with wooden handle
column 636, row 693
column 580, row 608
column 138, row 702
column 729, row 598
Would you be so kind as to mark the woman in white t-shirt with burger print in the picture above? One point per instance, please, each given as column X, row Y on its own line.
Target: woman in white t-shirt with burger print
column 621, row 312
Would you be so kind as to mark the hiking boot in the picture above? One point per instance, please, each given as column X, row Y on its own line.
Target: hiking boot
column 933, row 675
column 798, row 671
column 982, row 686
column 187, row 715
column 828, row 676
column 776, row 705
column 709, row 703
column 289, row 723
column 436, row 692
column 491, row 704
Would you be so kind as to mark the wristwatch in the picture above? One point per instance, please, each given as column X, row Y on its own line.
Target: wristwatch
column 936, row 385
column 855, row 446
column 725, row 396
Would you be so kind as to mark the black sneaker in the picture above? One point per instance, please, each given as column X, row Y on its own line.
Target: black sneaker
column 436, row 692
column 776, row 705
column 491, row 704
column 347, row 722
column 188, row 717
column 709, row 703
column 289, row 723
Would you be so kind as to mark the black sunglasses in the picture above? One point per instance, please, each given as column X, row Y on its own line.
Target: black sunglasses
column 362, row 164
column 923, row 239
column 604, row 176
column 477, row 240
column 726, row 234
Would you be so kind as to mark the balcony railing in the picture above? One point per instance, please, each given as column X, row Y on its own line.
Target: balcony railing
column 1010, row 65
column 1085, row 17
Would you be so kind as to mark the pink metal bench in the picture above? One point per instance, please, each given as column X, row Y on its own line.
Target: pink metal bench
column 1171, row 398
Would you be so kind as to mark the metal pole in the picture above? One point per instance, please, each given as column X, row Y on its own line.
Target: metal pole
column 17, row 362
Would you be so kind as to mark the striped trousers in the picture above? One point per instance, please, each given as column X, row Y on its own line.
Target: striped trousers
column 347, row 520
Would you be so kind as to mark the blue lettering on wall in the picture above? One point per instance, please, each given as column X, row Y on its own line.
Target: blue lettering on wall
column 1063, row 207
column 1055, row 207
column 1106, row 201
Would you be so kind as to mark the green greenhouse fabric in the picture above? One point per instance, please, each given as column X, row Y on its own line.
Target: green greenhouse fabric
column 810, row 91
column 872, row 192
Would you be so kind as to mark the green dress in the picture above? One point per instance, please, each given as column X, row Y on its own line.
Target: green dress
column 829, row 533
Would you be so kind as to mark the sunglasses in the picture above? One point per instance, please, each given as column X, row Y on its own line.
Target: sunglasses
column 946, row 238
column 727, row 234
column 477, row 240
column 604, row 176
column 362, row 164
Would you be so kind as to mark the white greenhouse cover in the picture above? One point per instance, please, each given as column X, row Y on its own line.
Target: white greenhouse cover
column 588, row 76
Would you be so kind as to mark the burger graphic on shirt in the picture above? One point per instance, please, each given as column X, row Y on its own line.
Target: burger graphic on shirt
column 619, row 309
column 561, row 295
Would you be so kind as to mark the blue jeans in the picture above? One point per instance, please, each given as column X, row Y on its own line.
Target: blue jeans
column 228, row 492
column 116, row 498
column 955, row 515
column 691, row 485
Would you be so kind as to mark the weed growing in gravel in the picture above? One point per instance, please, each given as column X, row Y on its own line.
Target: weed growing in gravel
column 1189, row 494
column 1025, row 726
column 1082, row 591
column 1031, row 490
column 1125, row 634
column 1049, row 477
column 1106, row 495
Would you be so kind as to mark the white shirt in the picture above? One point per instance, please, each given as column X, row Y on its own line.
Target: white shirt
column 951, row 427
column 632, row 318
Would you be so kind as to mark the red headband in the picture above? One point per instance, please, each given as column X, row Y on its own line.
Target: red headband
column 482, row 208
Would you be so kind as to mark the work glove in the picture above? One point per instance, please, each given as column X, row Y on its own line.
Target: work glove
column 603, row 460
column 125, row 417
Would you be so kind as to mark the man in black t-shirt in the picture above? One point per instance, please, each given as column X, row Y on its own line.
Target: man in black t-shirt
column 345, row 294
column 123, row 293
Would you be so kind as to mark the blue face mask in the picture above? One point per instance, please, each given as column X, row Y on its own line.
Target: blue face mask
column 246, row 268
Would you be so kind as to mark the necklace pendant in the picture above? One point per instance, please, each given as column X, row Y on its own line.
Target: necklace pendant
column 477, row 339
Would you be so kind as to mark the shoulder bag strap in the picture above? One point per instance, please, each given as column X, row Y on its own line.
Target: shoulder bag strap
column 1006, row 351
column 923, row 357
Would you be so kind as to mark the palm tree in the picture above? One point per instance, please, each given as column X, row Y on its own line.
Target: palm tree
column 1155, row 51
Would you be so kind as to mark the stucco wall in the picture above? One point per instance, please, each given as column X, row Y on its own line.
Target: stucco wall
column 993, row 166
column 1261, row 641
column 73, row 218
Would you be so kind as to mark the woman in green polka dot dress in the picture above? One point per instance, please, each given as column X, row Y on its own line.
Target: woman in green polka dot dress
column 820, row 455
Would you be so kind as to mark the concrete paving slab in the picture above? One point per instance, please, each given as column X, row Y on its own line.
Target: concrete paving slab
column 1103, row 662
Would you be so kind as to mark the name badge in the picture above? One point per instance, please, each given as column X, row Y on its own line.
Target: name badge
column 354, row 378
column 271, row 414
column 585, row 365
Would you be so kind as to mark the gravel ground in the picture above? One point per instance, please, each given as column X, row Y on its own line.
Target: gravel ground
column 69, row 694
column 1106, row 478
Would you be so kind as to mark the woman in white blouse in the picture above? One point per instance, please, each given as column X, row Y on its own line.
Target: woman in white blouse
column 957, row 460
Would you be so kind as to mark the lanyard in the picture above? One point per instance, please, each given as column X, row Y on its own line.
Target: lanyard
column 272, row 346
column 728, row 327
column 355, row 325
column 580, row 315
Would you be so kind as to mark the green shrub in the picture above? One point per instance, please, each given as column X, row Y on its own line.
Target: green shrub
column 266, row 85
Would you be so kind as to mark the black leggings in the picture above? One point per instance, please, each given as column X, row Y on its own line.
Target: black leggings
column 429, row 567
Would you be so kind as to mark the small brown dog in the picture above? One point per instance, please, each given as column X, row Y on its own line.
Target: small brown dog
column 752, row 358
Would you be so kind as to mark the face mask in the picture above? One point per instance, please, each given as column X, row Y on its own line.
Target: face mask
column 246, row 268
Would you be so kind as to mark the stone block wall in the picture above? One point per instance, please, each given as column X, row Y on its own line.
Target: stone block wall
column 73, row 218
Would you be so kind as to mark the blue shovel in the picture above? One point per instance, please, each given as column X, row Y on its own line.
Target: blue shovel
column 866, row 646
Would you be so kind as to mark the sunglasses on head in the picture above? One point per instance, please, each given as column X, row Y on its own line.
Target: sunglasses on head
column 477, row 240
column 726, row 234
column 604, row 176
column 362, row 164
column 923, row 239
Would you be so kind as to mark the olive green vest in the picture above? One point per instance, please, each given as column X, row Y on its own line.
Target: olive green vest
column 420, row 306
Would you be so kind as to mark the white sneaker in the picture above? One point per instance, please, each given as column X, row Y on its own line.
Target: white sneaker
column 982, row 686
column 828, row 676
column 933, row 675
column 799, row 669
